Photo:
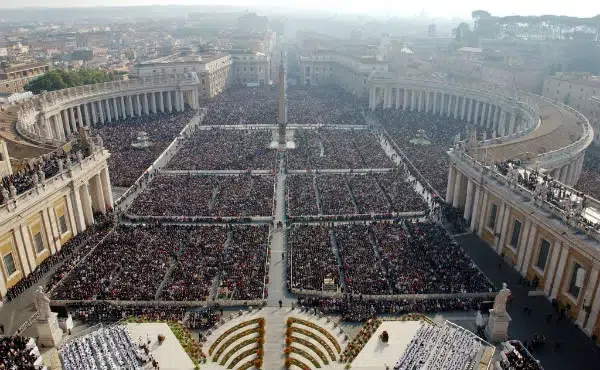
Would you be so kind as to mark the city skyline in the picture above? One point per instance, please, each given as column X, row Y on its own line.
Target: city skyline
column 432, row 8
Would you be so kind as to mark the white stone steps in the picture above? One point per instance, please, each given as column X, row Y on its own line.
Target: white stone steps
column 224, row 341
column 239, row 351
column 312, row 353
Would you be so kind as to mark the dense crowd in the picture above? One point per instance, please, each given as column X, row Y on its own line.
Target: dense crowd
column 37, row 170
column 244, row 264
column 202, row 195
column 421, row 258
column 431, row 160
column 335, row 195
column 201, row 319
column 92, row 312
column 310, row 258
column 126, row 162
column 301, row 196
column 68, row 256
column 400, row 191
column 336, row 149
column 519, row 359
column 17, row 353
column 383, row 258
column 217, row 149
column 590, row 176
column 323, row 106
column 357, row 309
column 244, row 106
column 143, row 263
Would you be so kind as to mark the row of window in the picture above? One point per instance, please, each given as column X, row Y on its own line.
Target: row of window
column 544, row 251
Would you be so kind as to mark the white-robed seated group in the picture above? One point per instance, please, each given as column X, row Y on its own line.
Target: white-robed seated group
column 445, row 347
column 105, row 349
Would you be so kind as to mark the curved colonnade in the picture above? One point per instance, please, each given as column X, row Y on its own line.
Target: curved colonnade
column 542, row 133
column 52, row 118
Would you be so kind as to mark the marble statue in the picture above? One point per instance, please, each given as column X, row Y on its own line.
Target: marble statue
column 79, row 156
column 500, row 300
column 42, row 175
column 35, row 178
column 42, row 303
column 99, row 141
column 5, row 196
column 13, row 191
column 61, row 165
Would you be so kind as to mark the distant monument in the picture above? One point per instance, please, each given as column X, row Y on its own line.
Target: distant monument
column 282, row 119
column 497, row 326
column 48, row 331
column 142, row 141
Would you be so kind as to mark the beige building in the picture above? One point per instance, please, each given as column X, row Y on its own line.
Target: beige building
column 35, row 224
column 535, row 237
column 15, row 76
column 5, row 165
column 576, row 90
column 214, row 71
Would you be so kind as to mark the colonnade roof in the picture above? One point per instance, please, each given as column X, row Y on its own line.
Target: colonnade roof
column 559, row 128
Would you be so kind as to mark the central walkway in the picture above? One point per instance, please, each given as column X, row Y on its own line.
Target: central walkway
column 277, row 274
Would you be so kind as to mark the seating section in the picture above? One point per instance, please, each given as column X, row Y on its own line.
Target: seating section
column 106, row 348
column 239, row 346
column 310, row 345
column 446, row 347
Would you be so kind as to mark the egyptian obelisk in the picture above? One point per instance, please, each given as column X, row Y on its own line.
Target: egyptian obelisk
column 282, row 104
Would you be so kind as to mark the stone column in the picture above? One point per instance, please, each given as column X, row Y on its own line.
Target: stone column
column 475, row 214
column 181, row 101
column 138, row 105
column 22, row 252
column 169, row 105
column 78, row 209
column 108, row 113
column 72, row 120
column 484, row 109
column 513, row 122
column 463, row 114
column 386, row 97
column 123, row 107
column 563, row 174
column 427, row 93
column 397, row 98
column 560, row 270
column 587, row 295
column 570, row 170
column 86, row 113
column 469, row 200
column 450, row 187
column 153, row 102
column 161, row 104
column 86, row 204
column 145, row 103
column 98, row 195
column 371, row 97
column 482, row 213
column 106, row 188
column 116, row 109
column 130, row 105
column 79, row 116
column 501, row 227
column 591, row 322
column 93, row 109
column 405, row 98
column 456, row 101
column 476, row 118
column 100, row 111
column 470, row 110
column 61, row 125
column 457, row 189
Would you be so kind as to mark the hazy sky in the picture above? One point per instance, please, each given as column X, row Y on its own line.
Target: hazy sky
column 434, row 8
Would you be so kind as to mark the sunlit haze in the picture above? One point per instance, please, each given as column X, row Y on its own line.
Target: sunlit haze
column 432, row 8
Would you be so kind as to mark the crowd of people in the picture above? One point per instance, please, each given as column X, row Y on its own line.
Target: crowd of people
column 301, row 197
column 323, row 105
column 590, row 176
column 106, row 348
column 201, row 319
column 383, row 258
column 310, row 258
column 127, row 162
column 217, row 149
column 519, row 358
column 173, row 263
column 35, row 171
column 431, row 160
column 336, row 149
column 457, row 351
column 68, row 256
column 206, row 195
column 93, row 312
column 244, row 106
column 18, row 352
column 356, row 309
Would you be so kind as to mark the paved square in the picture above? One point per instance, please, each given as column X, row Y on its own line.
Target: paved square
column 170, row 355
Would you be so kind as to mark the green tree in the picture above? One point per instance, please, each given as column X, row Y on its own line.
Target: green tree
column 61, row 79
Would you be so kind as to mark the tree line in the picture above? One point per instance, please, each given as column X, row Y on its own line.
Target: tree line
column 61, row 79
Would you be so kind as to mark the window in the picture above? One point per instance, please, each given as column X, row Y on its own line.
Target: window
column 62, row 224
column 9, row 264
column 573, row 288
column 492, row 216
column 38, row 242
column 516, row 233
column 543, row 255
